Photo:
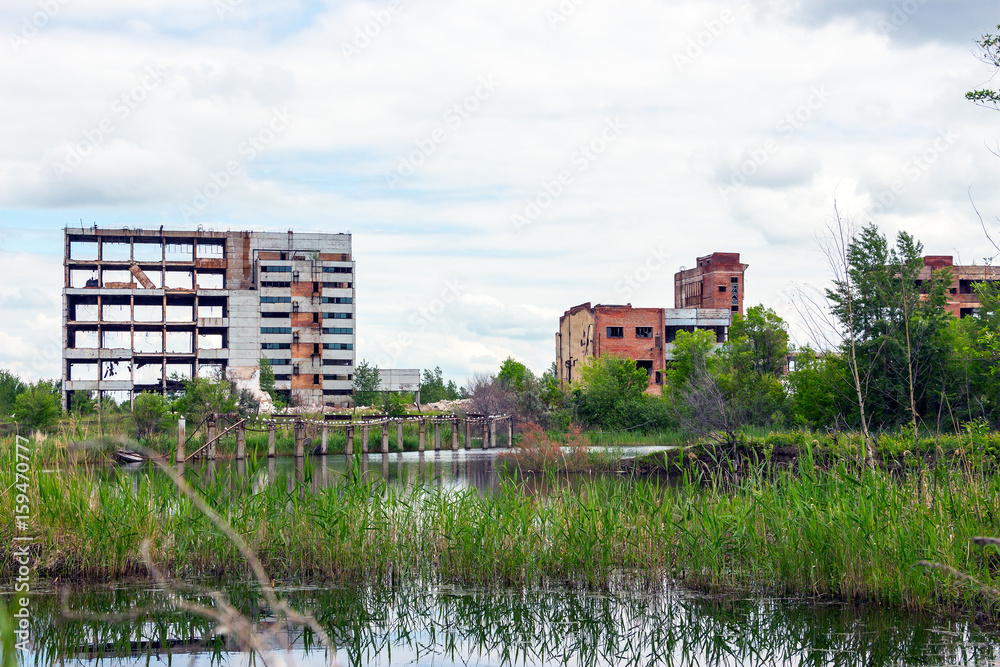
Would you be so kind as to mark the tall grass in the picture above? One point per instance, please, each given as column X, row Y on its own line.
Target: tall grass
column 820, row 532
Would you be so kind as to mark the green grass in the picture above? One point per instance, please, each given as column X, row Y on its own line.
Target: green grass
column 818, row 532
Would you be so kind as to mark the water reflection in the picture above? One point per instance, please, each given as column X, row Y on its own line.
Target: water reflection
column 447, row 626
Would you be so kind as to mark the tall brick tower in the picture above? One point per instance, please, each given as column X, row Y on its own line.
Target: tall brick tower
column 716, row 282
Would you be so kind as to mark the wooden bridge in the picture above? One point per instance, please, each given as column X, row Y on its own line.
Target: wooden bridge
column 468, row 425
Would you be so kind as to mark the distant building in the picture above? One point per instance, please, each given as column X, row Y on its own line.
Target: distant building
column 144, row 309
column 716, row 282
column 962, row 299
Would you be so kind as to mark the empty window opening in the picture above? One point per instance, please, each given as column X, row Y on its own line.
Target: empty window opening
column 83, row 250
column 116, row 340
column 210, row 341
column 211, row 249
column 211, row 371
column 180, row 313
column 147, row 342
column 116, row 370
column 83, row 278
column 179, row 371
column 179, row 252
column 209, row 311
column 83, row 372
column 179, row 280
column 211, row 280
column 85, row 312
column 147, row 252
column 148, row 373
column 117, row 278
column 644, row 332
column 116, row 251
column 616, row 332
column 179, row 342
column 722, row 288
column 646, row 365
column 85, row 339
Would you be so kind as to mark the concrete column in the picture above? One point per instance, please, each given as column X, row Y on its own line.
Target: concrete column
column 210, row 454
column 300, row 439
column 241, row 442
column 399, row 435
column 364, row 438
column 271, row 431
column 385, row 438
column 510, row 432
column 437, row 436
column 421, row 435
column 493, row 434
column 324, row 442
column 468, row 434
column 454, row 435
column 486, row 433
column 181, row 430
column 349, row 445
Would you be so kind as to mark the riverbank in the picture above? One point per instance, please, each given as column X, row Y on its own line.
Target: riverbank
column 813, row 531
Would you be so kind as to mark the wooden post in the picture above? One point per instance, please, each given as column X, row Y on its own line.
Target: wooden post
column 454, row 435
column 211, row 439
column 399, row 435
column 364, row 437
column 181, row 426
column 324, row 440
column 241, row 442
column 510, row 432
column 349, row 445
column 385, row 437
column 271, row 430
column 468, row 434
column 299, row 438
column 421, row 435
column 437, row 435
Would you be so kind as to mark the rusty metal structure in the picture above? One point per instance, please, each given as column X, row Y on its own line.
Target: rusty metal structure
column 145, row 309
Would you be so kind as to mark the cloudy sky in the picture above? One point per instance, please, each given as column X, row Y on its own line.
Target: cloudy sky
column 496, row 162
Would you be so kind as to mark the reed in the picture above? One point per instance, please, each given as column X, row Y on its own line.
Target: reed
column 828, row 532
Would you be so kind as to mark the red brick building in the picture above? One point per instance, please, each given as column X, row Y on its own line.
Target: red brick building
column 716, row 282
column 962, row 299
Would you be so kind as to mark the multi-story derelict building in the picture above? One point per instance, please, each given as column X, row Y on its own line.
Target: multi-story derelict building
column 144, row 309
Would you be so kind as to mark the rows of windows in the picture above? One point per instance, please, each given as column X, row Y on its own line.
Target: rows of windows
column 336, row 269
column 337, row 299
column 336, row 362
column 280, row 362
column 273, row 315
column 276, row 330
column 276, row 269
column 338, row 330
column 275, row 346
column 275, row 299
column 640, row 332
column 338, row 377
column 271, row 283
column 338, row 316
column 338, row 346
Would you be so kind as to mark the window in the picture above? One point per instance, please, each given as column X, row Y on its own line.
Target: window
column 644, row 332
column 280, row 362
column 722, row 288
column 336, row 269
column 211, row 280
column 338, row 330
column 275, row 299
column 616, row 332
column 284, row 315
column 337, row 316
column 275, row 346
column 271, row 283
column 276, row 330
column 338, row 346
column 276, row 269
column 336, row 362
column 337, row 299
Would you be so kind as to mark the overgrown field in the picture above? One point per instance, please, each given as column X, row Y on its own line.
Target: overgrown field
column 833, row 531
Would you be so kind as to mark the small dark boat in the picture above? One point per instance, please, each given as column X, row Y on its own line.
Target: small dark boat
column 127, row 456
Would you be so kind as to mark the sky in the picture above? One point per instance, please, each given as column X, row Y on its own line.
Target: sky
column 496, row 162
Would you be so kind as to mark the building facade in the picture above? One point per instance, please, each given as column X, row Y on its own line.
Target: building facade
column 716, row 283
column 143, row 310
column 962, row 299
column 644, row 334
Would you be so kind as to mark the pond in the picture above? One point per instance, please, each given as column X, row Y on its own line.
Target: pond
column 415, row 624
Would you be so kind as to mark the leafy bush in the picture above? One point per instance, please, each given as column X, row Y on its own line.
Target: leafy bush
column 149, row 412
column 37, row 407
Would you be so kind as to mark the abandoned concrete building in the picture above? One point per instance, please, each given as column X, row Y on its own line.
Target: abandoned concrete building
column 962, row 299
column 705, row 297
column 145, row 309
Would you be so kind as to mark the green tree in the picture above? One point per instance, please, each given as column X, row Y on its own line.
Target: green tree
column 11, row 387
column 752, row 362
column 692, row 352
column 149, row 413
column 366, row 384
column 203, row 396
column 515, row 374
column 82, row 403
column 612, row 394
column 432, row 387
column 38, row 406
column 989, row 53
column 267, row 383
